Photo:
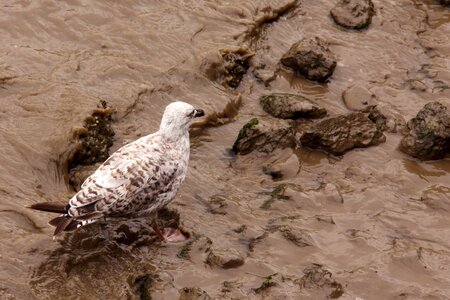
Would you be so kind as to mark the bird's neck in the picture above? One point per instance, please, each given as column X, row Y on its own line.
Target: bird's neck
column 178, row 136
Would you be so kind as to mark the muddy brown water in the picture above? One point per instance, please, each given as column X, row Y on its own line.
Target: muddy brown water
column 374, row 223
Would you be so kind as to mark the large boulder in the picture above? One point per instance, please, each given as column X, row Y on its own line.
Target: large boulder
column 264, row 136
column 290, row 106
column 428, row 134
column 339, row 134
column 355, row 14
column 311, row 58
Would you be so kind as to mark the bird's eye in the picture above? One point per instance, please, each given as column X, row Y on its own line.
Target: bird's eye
column 191, row 114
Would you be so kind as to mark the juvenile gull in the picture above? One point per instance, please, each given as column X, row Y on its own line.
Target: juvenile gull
column 138, row 179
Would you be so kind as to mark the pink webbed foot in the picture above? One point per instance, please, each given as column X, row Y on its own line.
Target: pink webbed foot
column 173, row 235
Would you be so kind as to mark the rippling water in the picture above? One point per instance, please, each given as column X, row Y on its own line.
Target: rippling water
column 376, row 219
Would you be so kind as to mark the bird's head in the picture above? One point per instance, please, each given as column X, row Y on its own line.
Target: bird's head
column 178, row 115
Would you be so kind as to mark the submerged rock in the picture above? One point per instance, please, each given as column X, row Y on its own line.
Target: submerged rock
column 225, row 258
column 355, row 14
column 264, row 136
column 236, row 64
column 78, row 175
column 227, row 66
column 340, row 134
column 290, row 106
column 358, row 98
column 317, row 277
column 143, row 284
column 386, row 119
column 428, row 134
column 298, row 236
column 311, row 58
column 193, row 293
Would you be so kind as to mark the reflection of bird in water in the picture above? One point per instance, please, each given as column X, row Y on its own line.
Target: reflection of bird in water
column 140, row 178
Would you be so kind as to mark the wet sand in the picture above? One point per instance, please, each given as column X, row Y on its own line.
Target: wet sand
column 371, row 224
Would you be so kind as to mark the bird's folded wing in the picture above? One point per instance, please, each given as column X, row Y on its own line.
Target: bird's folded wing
column 117, row 179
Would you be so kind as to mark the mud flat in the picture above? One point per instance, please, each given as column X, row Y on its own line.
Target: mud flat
column 314, row 215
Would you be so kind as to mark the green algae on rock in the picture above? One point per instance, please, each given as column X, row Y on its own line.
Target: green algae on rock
column 291, row 106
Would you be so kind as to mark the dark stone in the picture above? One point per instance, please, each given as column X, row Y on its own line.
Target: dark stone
column 264, row 136
column 354, row 14
column 311, row 58
column 290, row 106
column 226, row 66
column 340, row 134
column 428, row 134
column 225, row 258
column 236, row 63
column 193, row 293
column 143, row 284
column 444, row 2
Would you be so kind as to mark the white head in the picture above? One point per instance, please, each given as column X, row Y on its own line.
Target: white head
column 177, row 117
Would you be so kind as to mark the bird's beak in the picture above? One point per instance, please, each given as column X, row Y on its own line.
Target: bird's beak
column 198, row 113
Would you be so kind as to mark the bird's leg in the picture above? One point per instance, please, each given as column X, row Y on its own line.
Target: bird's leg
column 158, row 232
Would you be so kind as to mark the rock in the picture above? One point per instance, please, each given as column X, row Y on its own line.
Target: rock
column 332, row 193
column 236, row 64
column 284, row 166
column 264, row 136
column 290, row 106
column 358, row 98
column 340, row 134
column 193, row 293
column 95, row 138
column 311, row 58
column 143, row 284
column 355, row 14
column 228, row 66
column 317, row 276
column 386, row 118
column 225, row 258
column 437, row 197
column 78, row 175
column 444, row 2
column 428, row 134
column 265, row 76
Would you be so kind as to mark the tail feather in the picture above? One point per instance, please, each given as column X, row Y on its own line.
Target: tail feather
column 61, row 224
column 64, row 223
column 55, row 207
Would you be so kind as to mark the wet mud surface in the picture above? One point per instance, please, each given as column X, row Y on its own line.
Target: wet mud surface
column 289, row 223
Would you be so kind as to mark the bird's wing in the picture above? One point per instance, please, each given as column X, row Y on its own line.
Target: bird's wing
column 122, row 176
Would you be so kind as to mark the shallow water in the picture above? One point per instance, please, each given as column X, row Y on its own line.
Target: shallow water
column 376, row 219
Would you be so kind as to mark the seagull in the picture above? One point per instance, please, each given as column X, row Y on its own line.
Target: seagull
column 138, row 179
